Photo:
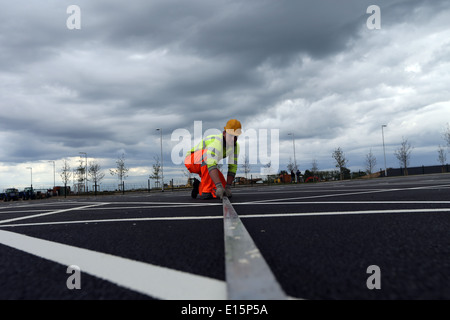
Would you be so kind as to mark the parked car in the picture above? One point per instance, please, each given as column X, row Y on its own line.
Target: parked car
column 28, row 193
column 11, row 194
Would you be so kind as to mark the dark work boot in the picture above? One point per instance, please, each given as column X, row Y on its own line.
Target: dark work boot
column 207, row 196
column 194, row 193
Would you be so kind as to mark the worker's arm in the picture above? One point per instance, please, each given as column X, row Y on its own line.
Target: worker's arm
column 230, row 179
column 233, row 165
column 214, row 174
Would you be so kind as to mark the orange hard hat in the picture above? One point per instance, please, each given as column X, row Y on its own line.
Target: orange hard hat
column 233, row 127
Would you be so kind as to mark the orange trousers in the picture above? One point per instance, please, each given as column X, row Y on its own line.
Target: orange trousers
column 196, row 163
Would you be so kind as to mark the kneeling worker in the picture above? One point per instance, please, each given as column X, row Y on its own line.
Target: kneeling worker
column 203, row 160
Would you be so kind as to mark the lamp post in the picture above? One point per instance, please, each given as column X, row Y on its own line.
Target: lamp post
column 293, row 143
column 384, row 149
column 85, row 171
column 54, row 180
column 162, row 162
column 31, row 169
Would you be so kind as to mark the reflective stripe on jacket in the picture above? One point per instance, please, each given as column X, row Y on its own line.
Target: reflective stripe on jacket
column 214, row 146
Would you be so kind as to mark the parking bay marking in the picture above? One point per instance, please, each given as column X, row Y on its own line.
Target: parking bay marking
column 248, row 216
column 49, row 213
column 155, row 281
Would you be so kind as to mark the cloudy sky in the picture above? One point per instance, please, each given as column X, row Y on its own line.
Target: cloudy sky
column 313, row 68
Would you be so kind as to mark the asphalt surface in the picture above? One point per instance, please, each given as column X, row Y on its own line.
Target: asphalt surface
column 318, row 240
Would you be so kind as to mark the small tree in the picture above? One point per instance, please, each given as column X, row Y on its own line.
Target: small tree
column 156, row 174
column 341, row 161
column 80, row 175
column 188, row 175
column 371, row 162
column 246, row 167
column 446, row 135
column 66, row 174
column 315, row 169
column 291, row 166
column 96, row 174
column 403, row 154
column 121, row 170
column 442, row 157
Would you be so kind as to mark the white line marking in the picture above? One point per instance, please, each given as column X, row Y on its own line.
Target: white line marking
column 49, row 213
column 156, row 203
column 341, row 202
column 249, row 216
column 90, row 208
column 338, row 213
column 324, row 196
column 114, row 220
column 155, row 281
column 347, row 194
column 46, row 204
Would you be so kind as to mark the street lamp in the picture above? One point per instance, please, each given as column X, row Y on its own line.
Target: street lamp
column 293, row 143
column 162, row 161
column 85, row 171
column 54, row 180
column 31, row 178
column 384, row 149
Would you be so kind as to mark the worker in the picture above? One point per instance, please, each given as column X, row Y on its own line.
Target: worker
column 203, row 160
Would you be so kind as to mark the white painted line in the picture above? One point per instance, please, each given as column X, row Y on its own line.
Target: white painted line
column 113, row 220
column 148, row 279
column 296, row 191
column 90, row 208
column 340, row 202
column 368, row 191
column 247, row 273
column 35, row 204
column 342, row 213
column 147, row 207
column 323, row 196
column 168, row 203
column 249, row 216
column 49, row 213
column 349, row 194
column 26, row 211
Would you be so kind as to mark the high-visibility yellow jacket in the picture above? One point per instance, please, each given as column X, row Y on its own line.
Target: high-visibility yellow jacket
column 216, row 150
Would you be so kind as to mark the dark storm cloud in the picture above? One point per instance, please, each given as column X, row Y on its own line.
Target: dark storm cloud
column 135, row 66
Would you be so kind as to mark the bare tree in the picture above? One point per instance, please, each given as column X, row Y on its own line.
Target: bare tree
column 442, row 157
column 291, row 166
column 446, row 135
column 156, row 174
column 403, row 154
column 371, row 162
column 80, row 176
column 66, row 174
column 121, row 170
column 188, row 175
column 341, row 161
column 315, row 167
column 96, row 174
column 246, row 167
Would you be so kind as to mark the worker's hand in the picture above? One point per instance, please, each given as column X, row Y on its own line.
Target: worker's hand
column 220, row 191
column 228, row 192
